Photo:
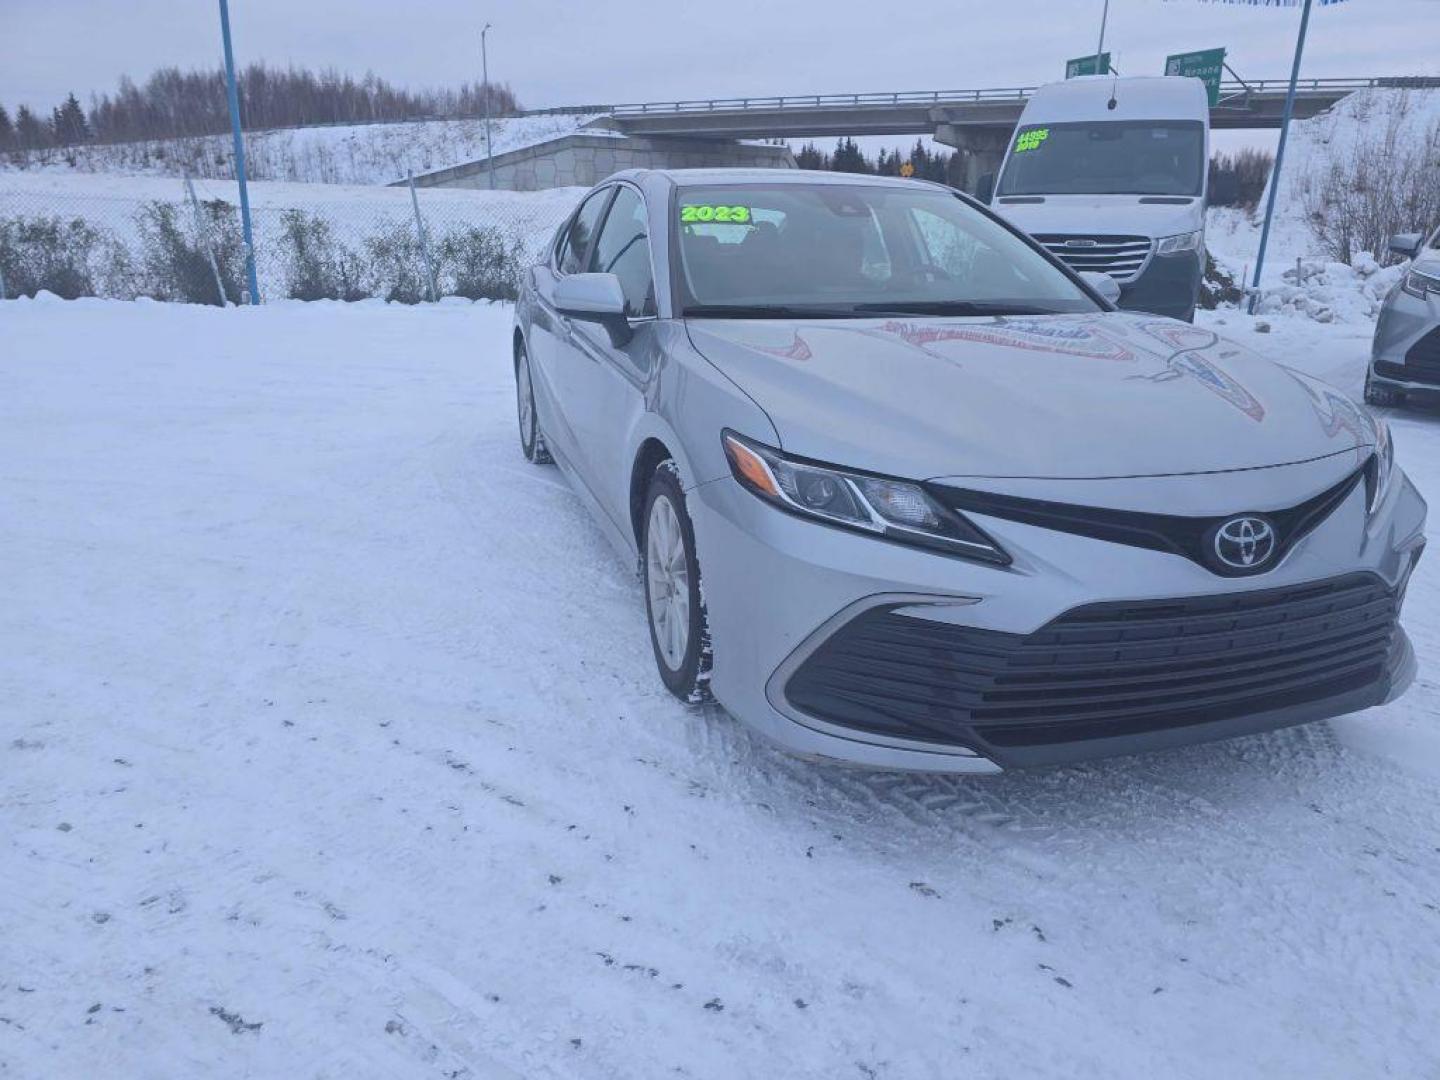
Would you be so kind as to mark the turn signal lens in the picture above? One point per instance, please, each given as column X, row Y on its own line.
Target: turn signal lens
column 749, row 468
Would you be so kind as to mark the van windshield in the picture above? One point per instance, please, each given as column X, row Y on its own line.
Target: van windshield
column 1107, row 157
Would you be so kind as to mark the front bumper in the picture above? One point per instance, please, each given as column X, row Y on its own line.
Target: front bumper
column 1168, row 285
column 1405, row 355
column 778, row 588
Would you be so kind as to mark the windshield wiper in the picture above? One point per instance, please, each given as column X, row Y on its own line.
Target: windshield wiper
column 765, row 311
column 952, row 307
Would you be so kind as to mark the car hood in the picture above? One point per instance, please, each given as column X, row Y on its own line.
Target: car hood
column 1097, row 215
column 1108, row 394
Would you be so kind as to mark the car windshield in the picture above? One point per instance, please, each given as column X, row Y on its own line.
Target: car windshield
column 1110, row 157
column 846, row 251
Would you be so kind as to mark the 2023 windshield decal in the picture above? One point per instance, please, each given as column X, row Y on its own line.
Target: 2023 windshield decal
column 707, row 213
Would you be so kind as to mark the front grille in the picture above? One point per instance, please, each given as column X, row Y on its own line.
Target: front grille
column 1191, row 537
column 1422, row 362
column 1122, row 257
column 1102, row 670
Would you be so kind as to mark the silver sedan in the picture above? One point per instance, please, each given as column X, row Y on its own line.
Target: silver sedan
column 1405, row 359
column 906, row 492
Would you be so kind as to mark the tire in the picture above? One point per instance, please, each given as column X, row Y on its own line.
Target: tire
column 1379, row 395
column 674, row 607
column 532, row 441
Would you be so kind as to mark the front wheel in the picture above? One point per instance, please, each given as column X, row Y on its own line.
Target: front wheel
column 673, row 603
column 532, row 442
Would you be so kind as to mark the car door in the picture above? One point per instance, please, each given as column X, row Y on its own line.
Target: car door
column 609, row 381
column 554, row 358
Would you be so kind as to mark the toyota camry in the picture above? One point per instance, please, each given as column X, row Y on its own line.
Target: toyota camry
column 907, row 492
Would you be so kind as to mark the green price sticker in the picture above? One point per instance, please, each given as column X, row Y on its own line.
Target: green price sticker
column 1031, row 140
column 699, row 215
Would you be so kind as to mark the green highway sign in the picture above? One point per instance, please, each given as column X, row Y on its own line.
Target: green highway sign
column 1086, row 65
column 1205, row 65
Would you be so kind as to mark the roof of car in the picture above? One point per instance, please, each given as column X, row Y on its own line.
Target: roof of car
column 699, row 177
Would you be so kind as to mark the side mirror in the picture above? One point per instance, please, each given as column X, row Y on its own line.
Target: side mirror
column 985, row 188
column 595, row 298
column 1103, row 284
column 1407, row 244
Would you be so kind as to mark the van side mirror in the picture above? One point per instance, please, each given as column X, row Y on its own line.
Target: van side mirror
column 985, row 188
column 1103, row 284
column 595, row 298
column 1407, row 244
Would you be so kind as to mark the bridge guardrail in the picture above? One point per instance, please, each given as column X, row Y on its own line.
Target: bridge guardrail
column 957, row 97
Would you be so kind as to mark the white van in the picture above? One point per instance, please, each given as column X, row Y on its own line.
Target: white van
column 1110, row 174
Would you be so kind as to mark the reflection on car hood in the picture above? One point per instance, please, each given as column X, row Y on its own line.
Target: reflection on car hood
column 1057, row 396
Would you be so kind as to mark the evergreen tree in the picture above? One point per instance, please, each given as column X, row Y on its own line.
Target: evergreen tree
column 848, row 157
column 69, row 123
column 811, row 156
column 29, row 131
column 7, row 130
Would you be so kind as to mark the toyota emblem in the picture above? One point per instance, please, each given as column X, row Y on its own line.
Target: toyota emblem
column 1245, row 543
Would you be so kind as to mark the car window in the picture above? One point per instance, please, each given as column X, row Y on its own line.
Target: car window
column 846, row 250
column 623, row 249
column 582, row 229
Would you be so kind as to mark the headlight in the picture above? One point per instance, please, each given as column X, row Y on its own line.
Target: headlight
column 1418, row 284
column 1178, row 245
column 894, row 509
column 1380, row 467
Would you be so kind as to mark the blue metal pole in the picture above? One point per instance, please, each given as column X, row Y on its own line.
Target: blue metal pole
column 239, row 154
column 1279, row 158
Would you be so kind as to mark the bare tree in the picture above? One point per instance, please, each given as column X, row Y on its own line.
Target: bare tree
column 1387, row 181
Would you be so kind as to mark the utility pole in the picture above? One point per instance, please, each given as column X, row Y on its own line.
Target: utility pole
column 1279, row 158
column 1100, row 49
column 485, row 90
column 234, row 96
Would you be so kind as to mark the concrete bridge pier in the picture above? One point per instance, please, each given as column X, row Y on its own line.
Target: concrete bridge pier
column 981, row 149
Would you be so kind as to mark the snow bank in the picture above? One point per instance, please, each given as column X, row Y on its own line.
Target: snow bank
column 1321, row 288
column 348, row 154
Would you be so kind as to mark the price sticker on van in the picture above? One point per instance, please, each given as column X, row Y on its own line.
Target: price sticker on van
column 1031, row 140
column 706, row 214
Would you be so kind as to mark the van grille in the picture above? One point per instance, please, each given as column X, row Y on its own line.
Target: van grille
column 1122, row 257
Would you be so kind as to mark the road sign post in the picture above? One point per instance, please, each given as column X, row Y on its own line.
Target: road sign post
column 1088, row 65
column 1207, row 65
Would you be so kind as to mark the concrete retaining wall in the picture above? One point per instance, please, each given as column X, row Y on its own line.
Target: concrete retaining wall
column 585, row 159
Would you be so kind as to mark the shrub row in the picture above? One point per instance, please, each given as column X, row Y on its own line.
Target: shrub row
column 166, row 254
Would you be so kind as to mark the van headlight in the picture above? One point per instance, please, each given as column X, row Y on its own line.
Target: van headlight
column 1380, row 468
column 1178, row 245
column 893, row 509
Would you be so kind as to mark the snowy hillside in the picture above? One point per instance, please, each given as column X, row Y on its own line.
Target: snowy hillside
column 355, row 154
column 1368, row 122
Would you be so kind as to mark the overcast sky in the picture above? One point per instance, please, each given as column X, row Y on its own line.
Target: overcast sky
column 555, row 52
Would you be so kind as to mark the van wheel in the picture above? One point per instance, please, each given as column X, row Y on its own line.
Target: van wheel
column 674, row 605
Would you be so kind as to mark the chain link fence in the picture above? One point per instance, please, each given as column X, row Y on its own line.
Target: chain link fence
column 176, row 240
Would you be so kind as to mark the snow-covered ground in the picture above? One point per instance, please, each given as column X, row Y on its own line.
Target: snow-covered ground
column 331, row 746
column 340, row 154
